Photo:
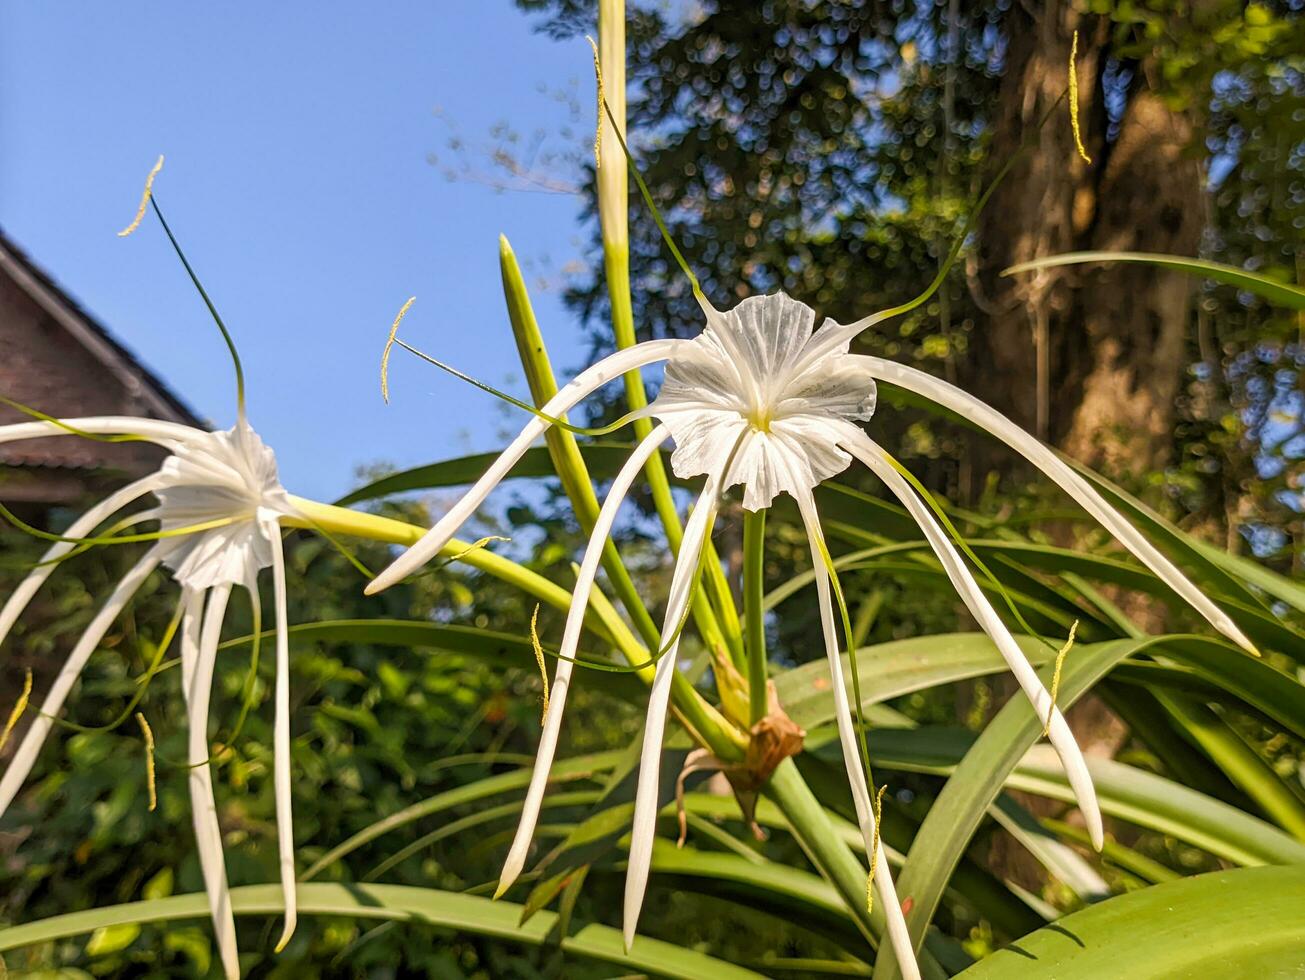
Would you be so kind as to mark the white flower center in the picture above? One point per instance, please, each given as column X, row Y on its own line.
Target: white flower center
column 748, row 391
column 224, row 485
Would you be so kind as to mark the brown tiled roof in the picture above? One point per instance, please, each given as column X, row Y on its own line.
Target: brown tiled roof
column 158, row 398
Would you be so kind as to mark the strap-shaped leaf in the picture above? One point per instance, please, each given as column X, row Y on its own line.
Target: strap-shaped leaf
column 1244, row 923
column 423, row 907
column 976, row 783
column 1276, row 292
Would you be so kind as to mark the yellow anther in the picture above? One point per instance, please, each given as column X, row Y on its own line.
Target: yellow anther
column 598, row 127
column 874, row 852
column 539, row 658
column 389, row 345
column 1055, row 677
column 19, row 707
column 144, row 199
column 149, row 760
column 1073, row 99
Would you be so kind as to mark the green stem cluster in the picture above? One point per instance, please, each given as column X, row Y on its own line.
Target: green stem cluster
column 754, row 612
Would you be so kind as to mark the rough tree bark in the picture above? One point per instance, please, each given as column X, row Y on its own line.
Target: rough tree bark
column 1089, row 358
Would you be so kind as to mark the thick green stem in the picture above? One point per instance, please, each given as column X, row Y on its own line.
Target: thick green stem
column 826, row 848
column 562, row 445
column 754, row 613
column 823, row 845
column 613, row 215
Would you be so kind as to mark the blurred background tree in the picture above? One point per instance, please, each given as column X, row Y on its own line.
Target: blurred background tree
column 832, row 149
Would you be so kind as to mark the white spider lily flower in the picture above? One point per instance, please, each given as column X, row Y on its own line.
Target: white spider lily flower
column 220, row 504
column 778, row 403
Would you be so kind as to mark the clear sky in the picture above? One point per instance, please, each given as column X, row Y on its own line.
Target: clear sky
column 298, row 178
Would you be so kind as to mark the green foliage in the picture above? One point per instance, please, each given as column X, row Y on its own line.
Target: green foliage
column 830, row 150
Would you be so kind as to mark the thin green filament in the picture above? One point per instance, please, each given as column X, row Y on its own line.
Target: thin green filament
column 41, row 416
column 174, row 532
column 971, row 219
column 339, row 546
column 226, row 335
column 841, row 600
column 964, row 546
column 81, row 549
column 154, row 668
column 579, row 430
column 249, row 696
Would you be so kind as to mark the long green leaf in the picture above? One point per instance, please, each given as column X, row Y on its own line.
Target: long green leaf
column 1278, row 293
column 1160, row 804
column 1244, row 923
column 603, row 458
column 975, row 785
column 1191, row 663
column 567, row 770
column 1241, row 763
column 419, row 906
column 1209, row 563
column 1125, row 792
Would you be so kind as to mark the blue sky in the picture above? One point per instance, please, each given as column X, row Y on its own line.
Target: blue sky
column 298, row 178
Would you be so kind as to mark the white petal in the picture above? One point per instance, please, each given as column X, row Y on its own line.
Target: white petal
column 199, row 649
column 281, row 743
column 766, row 334
column 168, row 434
column 192, row 603
column 220, row 476
column 229, row 555
column 81, row 527
column 516, row 858
column 21, row 764
column 899, row 936
column 1062, row 739
column 630, row 359
column 747, row 377
column 646, row 805
column 987, row 417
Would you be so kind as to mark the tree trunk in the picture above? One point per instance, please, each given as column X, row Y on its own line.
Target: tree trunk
column 1089, row 358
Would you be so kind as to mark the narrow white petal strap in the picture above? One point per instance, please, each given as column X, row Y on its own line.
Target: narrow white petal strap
column 281, row 740
column 1062, row 739
column 80, row 528
column 696, row 533
column 192, row 604
column 589, row 380
column 203, row 805
column 516, row 859
column 898, row 934
column 168, row 434
column 21, row 764
column 987, row 417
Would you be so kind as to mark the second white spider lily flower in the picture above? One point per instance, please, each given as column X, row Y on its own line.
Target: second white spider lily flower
column 763, row 399
column 220, row 507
